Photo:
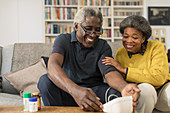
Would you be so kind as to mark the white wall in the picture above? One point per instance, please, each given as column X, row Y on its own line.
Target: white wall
column 21, row 21
column 165, row 3
column 8, row 22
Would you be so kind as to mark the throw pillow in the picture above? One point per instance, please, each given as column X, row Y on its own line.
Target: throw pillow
column 26, row 79
column 45, row 60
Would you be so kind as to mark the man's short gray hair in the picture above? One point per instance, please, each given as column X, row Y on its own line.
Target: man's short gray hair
column 87, row 11
column 137, row 22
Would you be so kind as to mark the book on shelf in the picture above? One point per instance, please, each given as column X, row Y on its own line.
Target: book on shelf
column 65, row 2
column 60, row 13
column 49, row 30
column 117, row 33
column 57, row 12
column 84, row 2
column 126, row 13
column 47, row 13
column 105, row 11
column 106, row 33
column 54, row 28
column 71, row 13
column 117, row 23
column 107, row 22
column 100, row 2
column 49, row 39
column 48, row 2
column 128, row 3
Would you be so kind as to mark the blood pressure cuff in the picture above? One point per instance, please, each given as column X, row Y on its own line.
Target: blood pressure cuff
column 104, row 69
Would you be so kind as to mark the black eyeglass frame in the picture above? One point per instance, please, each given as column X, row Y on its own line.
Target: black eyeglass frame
column 91, row 32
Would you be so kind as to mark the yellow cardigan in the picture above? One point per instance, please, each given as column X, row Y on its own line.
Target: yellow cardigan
column 152, row 67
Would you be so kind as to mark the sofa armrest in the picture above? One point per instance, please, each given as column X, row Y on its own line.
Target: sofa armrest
column 0, row 58
column 7, row 53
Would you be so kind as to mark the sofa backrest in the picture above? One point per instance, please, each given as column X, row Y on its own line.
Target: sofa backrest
column 115, row 46
column 20, row 55
column 26, row 54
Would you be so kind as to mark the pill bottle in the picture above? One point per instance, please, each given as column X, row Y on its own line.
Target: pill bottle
column 26, row 97
column 33, row 104
column 37, row 94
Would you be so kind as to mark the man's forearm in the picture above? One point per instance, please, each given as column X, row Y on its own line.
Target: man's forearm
column 115, row 80
column 60, row 79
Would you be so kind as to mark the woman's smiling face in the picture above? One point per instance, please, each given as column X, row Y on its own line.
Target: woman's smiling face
column 132, row 39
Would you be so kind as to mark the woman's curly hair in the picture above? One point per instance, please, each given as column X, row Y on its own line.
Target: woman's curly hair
column 137, row 22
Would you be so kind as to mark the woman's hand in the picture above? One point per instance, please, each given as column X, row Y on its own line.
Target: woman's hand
column 111, row 61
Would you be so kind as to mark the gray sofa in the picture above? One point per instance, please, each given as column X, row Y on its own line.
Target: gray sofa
column 20, row 55
column 15, row 57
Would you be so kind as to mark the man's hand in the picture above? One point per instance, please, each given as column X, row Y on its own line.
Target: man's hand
column 87, row 99
column 131, row 90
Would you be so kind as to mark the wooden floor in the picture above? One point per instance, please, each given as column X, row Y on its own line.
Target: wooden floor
column 44, row 109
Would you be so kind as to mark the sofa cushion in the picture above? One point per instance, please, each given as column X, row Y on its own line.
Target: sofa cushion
column 28, row 53
column 10, row 99
column 26, row 79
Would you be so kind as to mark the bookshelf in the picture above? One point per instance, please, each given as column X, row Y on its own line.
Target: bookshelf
column 59, row 15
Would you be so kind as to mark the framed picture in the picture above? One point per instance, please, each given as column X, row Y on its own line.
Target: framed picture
column 156, row 32
column 163, row 39
column 159, row 15
column 162, row 32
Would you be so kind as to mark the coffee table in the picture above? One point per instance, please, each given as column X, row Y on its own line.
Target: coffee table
column 44, row 109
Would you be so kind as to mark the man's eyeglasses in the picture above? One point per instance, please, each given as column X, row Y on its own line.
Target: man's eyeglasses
column 89, row 32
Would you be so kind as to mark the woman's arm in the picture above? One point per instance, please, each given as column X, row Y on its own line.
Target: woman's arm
column 111, row 61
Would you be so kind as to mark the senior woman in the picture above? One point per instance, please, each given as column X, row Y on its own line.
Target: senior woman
column 143, row 62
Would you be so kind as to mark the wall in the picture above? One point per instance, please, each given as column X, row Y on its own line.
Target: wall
column 21, row 21
column 165, row 3
column 8, row 22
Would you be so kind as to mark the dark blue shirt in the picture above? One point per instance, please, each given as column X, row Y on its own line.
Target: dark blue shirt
column 83, row 65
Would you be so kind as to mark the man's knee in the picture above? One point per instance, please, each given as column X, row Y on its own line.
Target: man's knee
column 44, row 83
